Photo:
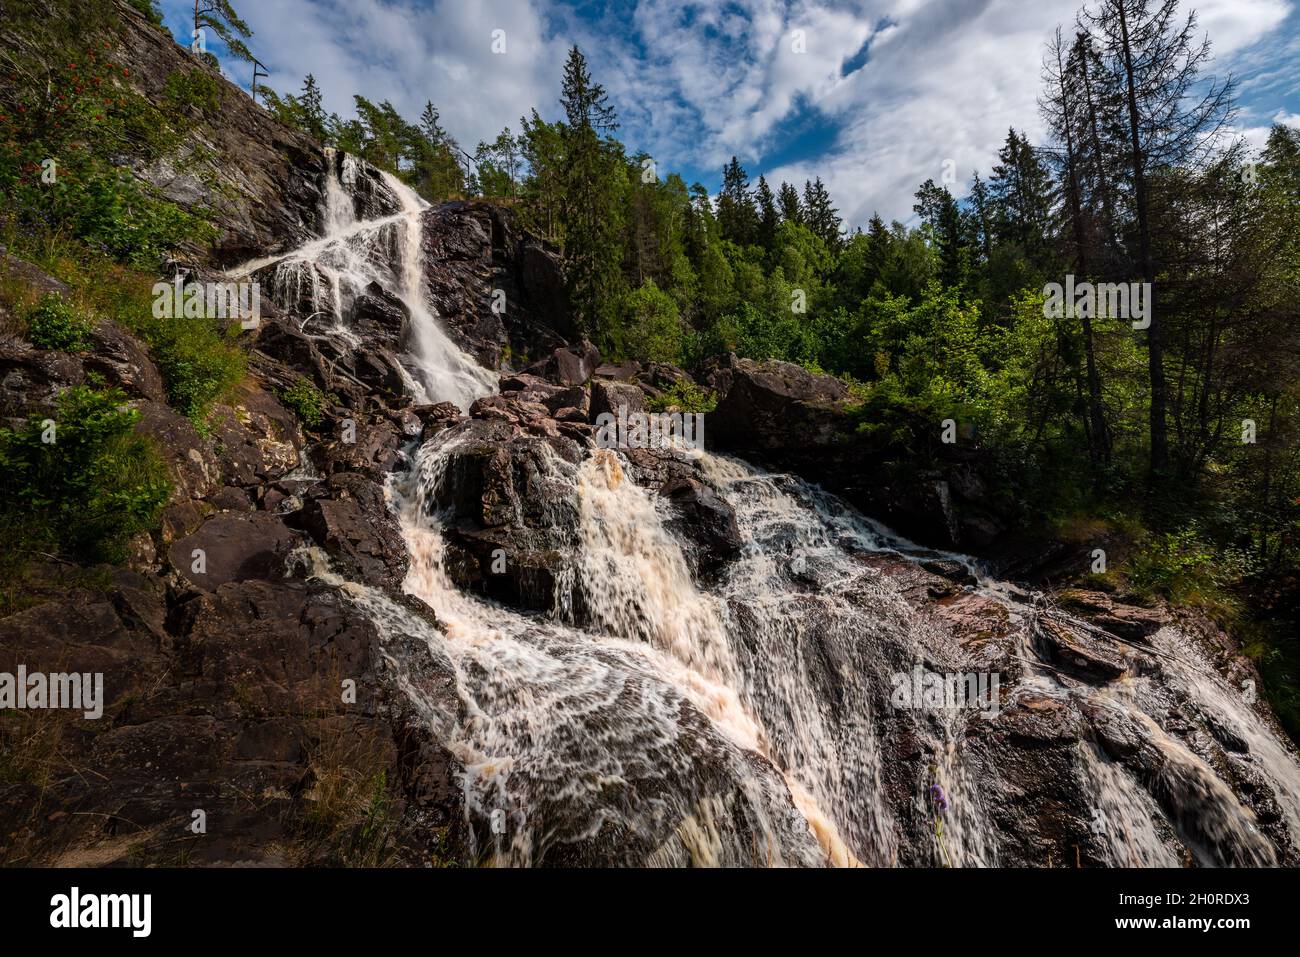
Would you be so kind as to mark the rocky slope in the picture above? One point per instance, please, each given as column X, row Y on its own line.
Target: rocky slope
column 299, row 688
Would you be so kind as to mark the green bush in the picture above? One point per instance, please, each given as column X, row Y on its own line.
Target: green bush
column 653, row 330
column 686, row 396
column 193, row 88
column 199, row 360
column 149, row 8
column 1185, row 569
column 54, row 323
column 80, row 479
column 62, row 144
column 307, row 402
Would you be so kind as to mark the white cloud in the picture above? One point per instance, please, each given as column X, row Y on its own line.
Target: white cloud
column 408, row 53
column 698, row 80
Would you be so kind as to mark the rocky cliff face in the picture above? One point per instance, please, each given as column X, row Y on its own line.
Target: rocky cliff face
column 440, row 625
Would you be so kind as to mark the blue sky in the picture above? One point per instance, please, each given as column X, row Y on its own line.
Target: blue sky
column 873, row 95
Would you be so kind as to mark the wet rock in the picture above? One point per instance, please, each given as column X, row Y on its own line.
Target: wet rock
column 512, row 517
column 1127, row 621
column 235, row 546
column 1089, row 652
column 704, row 519
column 375, row 449
column 347, row 515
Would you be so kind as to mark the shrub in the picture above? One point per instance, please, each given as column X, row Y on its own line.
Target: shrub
column 81, row 479
column 686, row 396
column 199, row 361
column 653, row 330
column 54, row 323
column 307, row 402
column 1183, row 568
column 193, row 88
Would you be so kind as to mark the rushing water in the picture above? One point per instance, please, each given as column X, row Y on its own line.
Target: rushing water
column 747, row 722
column 322, row 280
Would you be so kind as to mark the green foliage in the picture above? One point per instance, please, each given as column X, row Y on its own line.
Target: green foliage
column 60, row 160
column 684, row 396
column 81, row 480
column 220, row 17
column 653, row 329
column 54, row 323
column 150, row 9
column 200, row 360
column 307, row 402
column 1185, row 568
column 193, row 88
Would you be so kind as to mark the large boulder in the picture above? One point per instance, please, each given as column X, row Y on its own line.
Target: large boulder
column 234, row 546
column 776, row 407
column 570, row 365
column 607, row 398
column 348, row 516
column 704, row 520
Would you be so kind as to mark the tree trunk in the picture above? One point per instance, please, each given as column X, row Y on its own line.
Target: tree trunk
column 1155, row 350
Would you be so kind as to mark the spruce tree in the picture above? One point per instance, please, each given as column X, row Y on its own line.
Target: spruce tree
column 787, row 199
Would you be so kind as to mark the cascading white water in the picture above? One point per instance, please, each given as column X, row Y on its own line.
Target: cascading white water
column 570, row 731
column 744, row 723
column 324, row 277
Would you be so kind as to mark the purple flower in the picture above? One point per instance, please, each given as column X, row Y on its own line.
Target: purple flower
column 940, row 799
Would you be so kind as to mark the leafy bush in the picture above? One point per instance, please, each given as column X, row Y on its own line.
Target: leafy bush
column 149, row 8
column 653, row 329
column 61, row 150
column 1185, row 569
column 307, row 402
column 194, row 88
column 686, row 396
column 54, row 323
column 81, row 479
column 199, row 361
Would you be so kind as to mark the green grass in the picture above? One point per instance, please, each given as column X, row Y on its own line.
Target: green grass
column 200, row 360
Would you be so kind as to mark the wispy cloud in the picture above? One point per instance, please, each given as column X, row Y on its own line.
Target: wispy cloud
column 893, row 88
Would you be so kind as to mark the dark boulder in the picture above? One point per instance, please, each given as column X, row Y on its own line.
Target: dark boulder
column 347, row 515
column 777, row 407
column 568, row 366
column 610, row 397
column 705, row 520
column 234, row 546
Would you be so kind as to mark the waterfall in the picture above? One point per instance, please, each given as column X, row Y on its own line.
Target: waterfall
column 322, row 280
column 747, row 721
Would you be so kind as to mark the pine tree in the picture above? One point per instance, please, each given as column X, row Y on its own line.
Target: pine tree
column 1173, row 120
column 768, row 219
column 822, row 218
column 1020, row 188
column 313, row 112
column 221, row 18
column 787, row 199
column 592, row 211
column 737, row 214
column 939, row 213
column 435, row 163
